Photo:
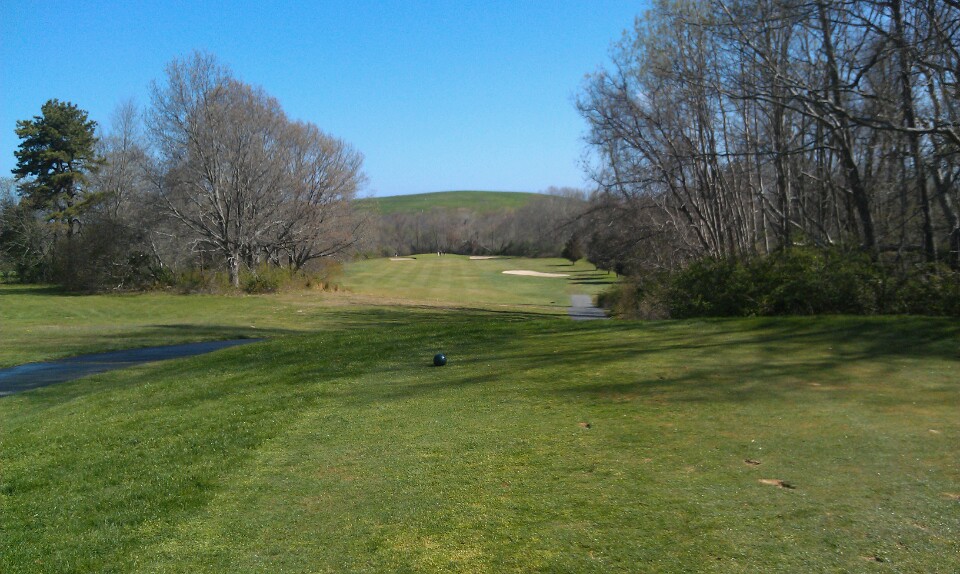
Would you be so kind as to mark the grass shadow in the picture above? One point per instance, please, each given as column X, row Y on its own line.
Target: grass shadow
column 723, row 360
column 45, row 290
column 209, row 332
column 591, row 282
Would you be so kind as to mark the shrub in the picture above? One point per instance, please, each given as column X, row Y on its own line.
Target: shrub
column 195, row 280
column 798, row 281
column 712, row 288
column 104, row 257
column 930, row 290
column 641, row 297
column 268, row 278
column 264, row 279
column 804, row 281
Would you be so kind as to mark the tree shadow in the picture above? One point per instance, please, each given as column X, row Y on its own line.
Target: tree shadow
column 741, row 360
column 211, row 332
column 45, row 290
column 705, row 360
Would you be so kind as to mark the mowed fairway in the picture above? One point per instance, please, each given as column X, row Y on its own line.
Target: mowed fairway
column 544, row 446
column 459, row 281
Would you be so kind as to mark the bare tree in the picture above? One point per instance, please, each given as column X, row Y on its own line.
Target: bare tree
column 743, row 126
column 325, row 174
column 246, row 182
column 120, row 181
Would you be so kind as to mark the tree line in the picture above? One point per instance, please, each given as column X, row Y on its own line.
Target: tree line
column 212, row 175
column 735, row 129
column 538, row 229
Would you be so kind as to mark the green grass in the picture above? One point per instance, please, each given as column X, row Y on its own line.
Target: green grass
column 41, row 323
column 458, row 281
column 479, row 201
column 335, row 447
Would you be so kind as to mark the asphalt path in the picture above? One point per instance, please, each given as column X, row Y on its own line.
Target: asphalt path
column 582, row 309
column 34, row 375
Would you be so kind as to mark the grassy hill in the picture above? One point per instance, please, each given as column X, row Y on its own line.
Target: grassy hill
column 545, row 445
column 479, row 201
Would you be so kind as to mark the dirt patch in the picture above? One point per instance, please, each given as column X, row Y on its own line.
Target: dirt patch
column 402, row 259
column 777, row 482
column 534, row 273
column 752, row 462
column 952, row 496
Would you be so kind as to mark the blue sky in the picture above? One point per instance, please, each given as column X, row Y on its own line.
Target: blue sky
column 436, row 95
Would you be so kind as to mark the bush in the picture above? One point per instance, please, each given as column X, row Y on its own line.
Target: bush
column 195, row 280
column 263, row 279
column 813, row 282
column 930, row 290
column 711, row 288
column 105, row 256
column 637, row 298
column 799, row 281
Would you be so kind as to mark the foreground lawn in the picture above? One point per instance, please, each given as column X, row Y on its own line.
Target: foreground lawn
column 544, row 446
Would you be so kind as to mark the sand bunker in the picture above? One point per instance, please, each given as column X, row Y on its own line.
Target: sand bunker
column 484, row 257
column 402, row 259
column 534, row 273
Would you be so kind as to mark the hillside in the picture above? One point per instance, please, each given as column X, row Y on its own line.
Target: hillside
column 479, row 201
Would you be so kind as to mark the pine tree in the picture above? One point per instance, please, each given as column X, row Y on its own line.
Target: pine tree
column 573, row 249
column 57, row 151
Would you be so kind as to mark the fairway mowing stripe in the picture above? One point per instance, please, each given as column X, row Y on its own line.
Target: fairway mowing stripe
column 417, row 275
column 461, row 274
column 435, row 277
column 409, row 273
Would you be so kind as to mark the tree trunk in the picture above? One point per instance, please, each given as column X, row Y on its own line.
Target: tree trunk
column 233, row 270
column 909, row 120
column 844, row 141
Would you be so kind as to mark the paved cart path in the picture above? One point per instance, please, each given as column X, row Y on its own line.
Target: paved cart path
column 582, row 309
column 33, row 375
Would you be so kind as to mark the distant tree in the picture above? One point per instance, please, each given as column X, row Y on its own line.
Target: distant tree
column 122, row 244
column 123, row 149
column 57, row 152
column 573, row 193
column 7, row 205
column 322, row 177
column 25, row 241
column 573, row 249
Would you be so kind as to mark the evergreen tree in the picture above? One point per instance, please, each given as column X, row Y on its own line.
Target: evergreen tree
column 57, row 151
column 573, row 249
